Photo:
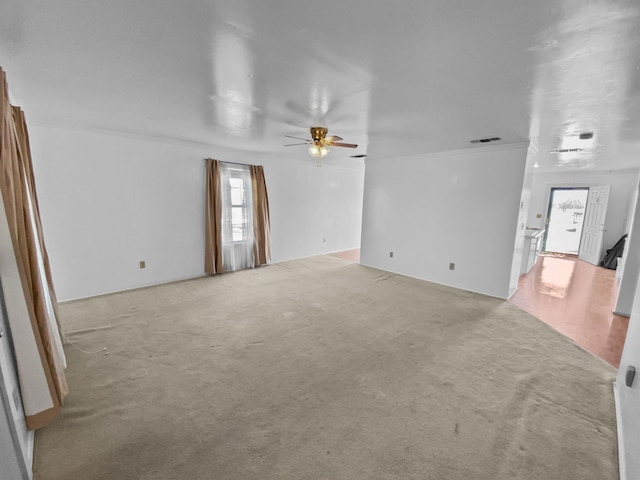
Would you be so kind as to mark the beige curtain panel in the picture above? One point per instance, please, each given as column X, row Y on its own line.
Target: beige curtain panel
column 262, row 246
column 33, row 322
column 213, row 221
column 213, row 261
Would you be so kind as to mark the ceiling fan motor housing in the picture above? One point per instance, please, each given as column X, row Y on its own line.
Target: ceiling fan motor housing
column 318, row 134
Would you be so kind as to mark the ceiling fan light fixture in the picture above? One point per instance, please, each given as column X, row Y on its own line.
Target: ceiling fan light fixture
column 319, row 142
column 318, row 151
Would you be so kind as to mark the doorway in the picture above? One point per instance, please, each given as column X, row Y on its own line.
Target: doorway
column 565, row 219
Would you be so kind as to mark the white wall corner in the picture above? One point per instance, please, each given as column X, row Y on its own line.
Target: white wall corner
column 622, row 463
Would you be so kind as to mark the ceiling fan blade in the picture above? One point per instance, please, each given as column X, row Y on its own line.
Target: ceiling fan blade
column 292, row 144
column 333, row 138
column 348, row 145
column 298, row 138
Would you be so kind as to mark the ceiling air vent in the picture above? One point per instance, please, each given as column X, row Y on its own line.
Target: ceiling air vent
column 566, row 150
column 486, row 140
column 586, row 136
column 358, row 156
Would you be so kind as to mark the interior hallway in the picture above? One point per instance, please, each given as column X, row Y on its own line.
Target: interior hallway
column 577, row 299
column 574, row 297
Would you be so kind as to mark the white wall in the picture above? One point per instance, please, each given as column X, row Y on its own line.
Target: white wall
column 434, row 209
column 628, row 399
column 631, row 266
column 621, row 182
column 525, row 203
column 109, row 201
column 314, row 209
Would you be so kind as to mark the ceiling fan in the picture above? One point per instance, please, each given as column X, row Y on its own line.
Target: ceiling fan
column 319, row 142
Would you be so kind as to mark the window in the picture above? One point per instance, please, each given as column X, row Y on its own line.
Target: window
column 239, row 215
column 237, row 223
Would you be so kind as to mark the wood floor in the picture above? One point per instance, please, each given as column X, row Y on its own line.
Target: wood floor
column 353, row 255
column 574, row 297
column 577, row 299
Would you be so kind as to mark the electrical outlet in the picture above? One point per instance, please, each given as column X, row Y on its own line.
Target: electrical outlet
column 452, row 266
column 143, row 264
column 538, row 215
column 390, row 254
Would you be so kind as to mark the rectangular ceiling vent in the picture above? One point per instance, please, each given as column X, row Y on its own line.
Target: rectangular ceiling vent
column 486, row 140
column 566, row 150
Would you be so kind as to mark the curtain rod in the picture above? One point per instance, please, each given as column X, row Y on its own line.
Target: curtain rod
column 233, row 163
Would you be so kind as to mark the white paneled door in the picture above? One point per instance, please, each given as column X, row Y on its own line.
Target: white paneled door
column 593, row 229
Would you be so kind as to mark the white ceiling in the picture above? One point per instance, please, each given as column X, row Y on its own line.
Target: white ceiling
column 398, row 78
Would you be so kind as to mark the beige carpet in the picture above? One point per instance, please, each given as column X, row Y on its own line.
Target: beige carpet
column 323, row 369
